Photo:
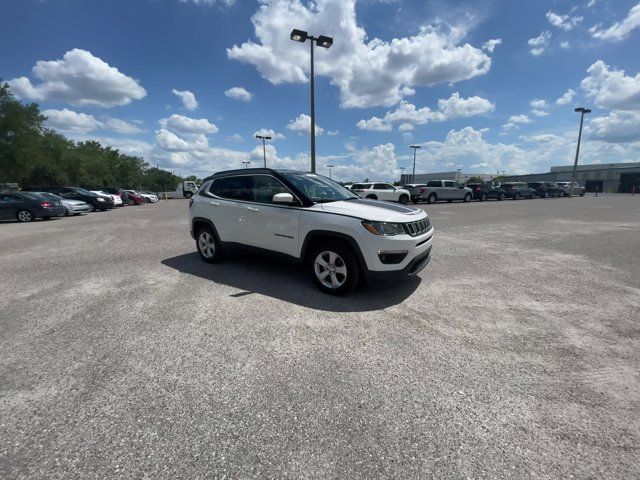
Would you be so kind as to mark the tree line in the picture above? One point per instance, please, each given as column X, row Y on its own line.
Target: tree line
column 33, row 155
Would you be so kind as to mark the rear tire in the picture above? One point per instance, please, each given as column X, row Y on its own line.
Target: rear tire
column 582, row 194
column 188, row 195
column 532, row 196
column 334, row 268
column 404, row 199
column 483, row 197
column 516, row 196
column 208, row 245
column 25, row 216
column 467, row 198
column 500, row 197
column 433, row 198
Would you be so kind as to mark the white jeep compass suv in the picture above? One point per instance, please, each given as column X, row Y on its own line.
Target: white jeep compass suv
column 341, row 237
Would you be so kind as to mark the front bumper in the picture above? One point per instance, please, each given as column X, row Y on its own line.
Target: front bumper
column 418, row 256
column 79, row 208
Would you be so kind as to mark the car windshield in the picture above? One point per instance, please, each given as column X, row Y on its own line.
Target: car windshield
column 319, row 189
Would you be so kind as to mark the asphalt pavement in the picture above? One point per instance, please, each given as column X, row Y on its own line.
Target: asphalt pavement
column 515, row 354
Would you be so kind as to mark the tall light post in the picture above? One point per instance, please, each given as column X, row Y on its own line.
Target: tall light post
column 582, row 111
column 402, row 169
column 246, row 163
column 329, row 167
column 264, row 147
column 415, row 149
column 325, row 42
column 459, row 170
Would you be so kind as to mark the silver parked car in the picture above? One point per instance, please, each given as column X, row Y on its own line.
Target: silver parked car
column 566, row 189
column 72, row 207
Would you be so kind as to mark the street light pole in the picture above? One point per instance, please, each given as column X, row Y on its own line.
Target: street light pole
column 329, row 167
column 402, row 169
column 415, row 149
column 582, row 112
column 459, row 170
column 264, row 147
column 325, row 42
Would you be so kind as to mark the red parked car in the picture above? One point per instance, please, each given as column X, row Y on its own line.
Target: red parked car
column 135, row 199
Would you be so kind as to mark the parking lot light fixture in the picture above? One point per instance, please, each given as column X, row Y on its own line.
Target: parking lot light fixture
column 246, row 163
column 324, row 42
column 582, row 111
column 329, row 167
column 415, row 149
column 264, row 147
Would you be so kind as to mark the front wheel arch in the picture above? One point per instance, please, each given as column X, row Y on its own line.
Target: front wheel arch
column 315, row 237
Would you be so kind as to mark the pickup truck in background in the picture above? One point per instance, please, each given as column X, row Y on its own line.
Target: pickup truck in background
column 439, row 190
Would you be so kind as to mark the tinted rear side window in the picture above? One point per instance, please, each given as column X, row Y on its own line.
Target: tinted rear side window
column 234, row 188
column 359, row 186
column 434, row 183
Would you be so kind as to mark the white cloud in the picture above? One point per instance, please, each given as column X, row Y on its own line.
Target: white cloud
column 188, row 98
column 374, row 124
column 269, row 133
column 490, row 45
column 611, row 88
column 69, row 121
column 539, row 103
column 617, row 127
column 79, row 79
column 540, row 43
column 564, row 22
column 566, row 98
column 236, row 137
column 507, row 127
column 519, row 119
column 456, row 107
column 448, row 109
column 619, row 30
column 539, row 113
column 367, row 72
column 406, row 127
column 180, row 123
column 333, row 133
column 210, row 2
column 239, row 93
column 566, row 45
column 170, row 141
column 302, row 124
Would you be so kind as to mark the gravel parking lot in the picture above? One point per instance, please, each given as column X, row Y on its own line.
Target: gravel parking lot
column 515, row 354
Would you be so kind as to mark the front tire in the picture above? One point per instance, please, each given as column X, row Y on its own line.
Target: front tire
column 501, row 197
column 404, row 199
column 483, row 197
column 208, row 246
column 188, row 195
column 433, row 198
column 467, row 198
column 334, row 268
column 25, row 216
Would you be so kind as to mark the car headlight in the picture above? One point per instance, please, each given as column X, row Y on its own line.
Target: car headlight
column 384, row 228
column 100, row 199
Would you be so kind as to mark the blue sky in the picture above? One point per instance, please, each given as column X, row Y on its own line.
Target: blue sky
column 483, row 85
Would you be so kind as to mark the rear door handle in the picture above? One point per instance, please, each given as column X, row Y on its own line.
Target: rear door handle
column 253, row 209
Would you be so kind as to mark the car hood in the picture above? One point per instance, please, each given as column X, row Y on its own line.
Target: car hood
column 374, row 210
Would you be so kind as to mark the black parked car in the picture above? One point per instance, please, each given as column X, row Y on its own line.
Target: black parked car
column 486, row 190
column 27, row 206
column 545, row 189
column 518, row 190
column 98, row 202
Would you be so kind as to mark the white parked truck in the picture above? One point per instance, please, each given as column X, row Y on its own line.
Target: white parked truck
column 186, row 189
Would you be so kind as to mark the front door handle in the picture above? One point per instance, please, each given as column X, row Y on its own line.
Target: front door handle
column 215, row 203
column 253, row 209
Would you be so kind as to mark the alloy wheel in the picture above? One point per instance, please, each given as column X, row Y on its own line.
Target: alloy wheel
column 330, row 269
column 25, row 216
column 207, row 244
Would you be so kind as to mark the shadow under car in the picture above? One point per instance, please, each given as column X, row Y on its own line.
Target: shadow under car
column 289, row 281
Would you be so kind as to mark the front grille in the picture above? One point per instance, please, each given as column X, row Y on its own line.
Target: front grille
column 417, row 228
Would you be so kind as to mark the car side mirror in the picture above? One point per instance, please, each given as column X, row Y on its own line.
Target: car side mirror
column 286, row 198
